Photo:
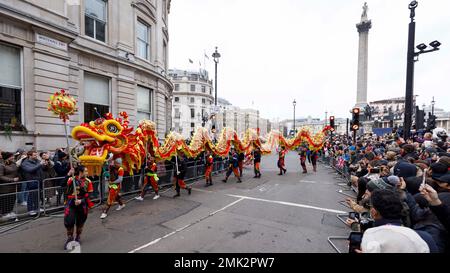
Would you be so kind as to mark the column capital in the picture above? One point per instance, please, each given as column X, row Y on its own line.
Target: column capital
column 364, row 26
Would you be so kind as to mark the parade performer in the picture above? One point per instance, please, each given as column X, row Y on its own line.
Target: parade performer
column 179, row 174
column 233, row 168
column 116, row 177
column 281, row 156
column 78, row 203
column 209, row 167
column 150, row 177
column 257, row 162
column 314, row 157
column 303, row 156
column 241, row 158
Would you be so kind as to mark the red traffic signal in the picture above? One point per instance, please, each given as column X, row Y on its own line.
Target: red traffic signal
column 332, row 122
column 356, row 111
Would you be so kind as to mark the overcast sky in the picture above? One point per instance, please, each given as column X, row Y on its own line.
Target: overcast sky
column 276, row 51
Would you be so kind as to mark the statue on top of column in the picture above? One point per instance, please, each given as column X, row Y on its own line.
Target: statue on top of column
column 364, row 14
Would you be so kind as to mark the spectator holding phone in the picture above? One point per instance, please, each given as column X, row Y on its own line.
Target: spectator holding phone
column 387, row 235
column 441, row 208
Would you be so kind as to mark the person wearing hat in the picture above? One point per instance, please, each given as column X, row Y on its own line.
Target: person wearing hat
column 62, row 169
column 116, row 173
column 441, row 182
column 405, row 169
column 9, row 174
column 388, row 235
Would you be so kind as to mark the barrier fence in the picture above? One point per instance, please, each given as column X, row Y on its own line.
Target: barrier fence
column 27, row 200
column 343, row 171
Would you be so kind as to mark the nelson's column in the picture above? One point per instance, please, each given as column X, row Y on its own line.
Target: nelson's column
column 363, row 54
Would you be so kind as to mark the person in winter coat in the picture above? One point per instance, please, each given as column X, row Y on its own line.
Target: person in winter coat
column 32, row 171
column 62, row 168
column 9, row 173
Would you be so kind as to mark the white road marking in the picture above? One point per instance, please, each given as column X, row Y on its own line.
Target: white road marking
column 306, row 181
column 185, row 227
column 287, row 203
column 200, row 190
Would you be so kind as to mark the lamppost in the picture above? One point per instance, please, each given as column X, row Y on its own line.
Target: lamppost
column 294, row 103
column 411, row 58
column 216, row 56
column 432, row 106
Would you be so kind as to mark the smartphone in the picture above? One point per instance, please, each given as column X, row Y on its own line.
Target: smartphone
column 352, row 215
column 355, row 239
column 375, row 170
column 424, row 177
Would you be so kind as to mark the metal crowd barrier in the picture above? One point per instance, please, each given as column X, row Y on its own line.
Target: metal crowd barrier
column 20, row 200
column 344, row 174
column 48, row 196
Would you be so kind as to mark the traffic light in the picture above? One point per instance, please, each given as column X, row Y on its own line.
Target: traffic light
column 332, row 122
column 355, row 119
column 420, row 118
column 431, row 123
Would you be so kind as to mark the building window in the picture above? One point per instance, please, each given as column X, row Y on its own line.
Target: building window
column 203, row 101
column 96, row 96
column 192, row 113
column 203, row 89
column 10, row 87
column 210, row 91
column 192, row 125
column 177, row 87
column 192, row 100
column 143, row 41
column 144, row 103
column 177, row 113
column 193, row 87
column 177, row 99
column 95, row 19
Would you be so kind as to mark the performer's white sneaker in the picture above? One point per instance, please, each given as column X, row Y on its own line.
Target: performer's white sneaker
column 120, row 207
column 156, row 197
column 139, row 198
column 103, row 216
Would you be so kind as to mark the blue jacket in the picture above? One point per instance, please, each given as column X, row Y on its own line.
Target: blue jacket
column 32, row 170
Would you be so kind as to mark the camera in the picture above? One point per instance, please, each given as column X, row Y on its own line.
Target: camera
column 375, row 170
column 366, row 223
column 355, row 239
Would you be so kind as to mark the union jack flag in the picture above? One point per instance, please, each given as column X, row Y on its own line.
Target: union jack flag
column 340, row 163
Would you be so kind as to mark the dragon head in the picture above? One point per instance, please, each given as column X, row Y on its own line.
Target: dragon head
column 99, row 138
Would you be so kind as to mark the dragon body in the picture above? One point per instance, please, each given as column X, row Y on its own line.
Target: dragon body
column 111, row 135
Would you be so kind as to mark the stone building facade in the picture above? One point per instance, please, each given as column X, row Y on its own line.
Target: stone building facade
column 111, row 55
column 193, row 100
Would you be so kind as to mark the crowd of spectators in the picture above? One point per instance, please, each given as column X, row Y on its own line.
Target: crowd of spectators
column 31, row 169
column 403, row 190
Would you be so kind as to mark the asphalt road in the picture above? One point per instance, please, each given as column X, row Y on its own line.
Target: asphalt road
column 293, row 213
